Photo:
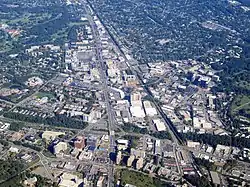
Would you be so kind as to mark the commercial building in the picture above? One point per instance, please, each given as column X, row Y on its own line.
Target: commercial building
column 159, row 125
column 135, row 99
column 139, row 163
column 79, row 143
column 193, row 144
column 137, row 111
column 4, row 126
column 122, row 144
column 130, row 80
column 118, row 157
column 157, row 150
column 60, row 147
column 51, row 135
column 130, row 160
column 149, row 109
column 215, row 178
column 92, row 115
column 100, row 182
column 168, row 151
column 85, row 155
column 138, row 153
column 69, row 180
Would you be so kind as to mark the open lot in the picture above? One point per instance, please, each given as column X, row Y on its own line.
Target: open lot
column 138, row 179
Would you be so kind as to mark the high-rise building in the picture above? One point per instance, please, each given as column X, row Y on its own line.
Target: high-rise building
column 136, row 109
column 139, row 163
column 157, row 150
column 130, row 80
column 79, row 143
column 118, row 157
column 130, row 160
column 100, row 182
column 60, row 147
column 135, row 99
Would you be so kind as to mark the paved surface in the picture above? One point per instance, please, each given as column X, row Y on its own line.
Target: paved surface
column 104, row 79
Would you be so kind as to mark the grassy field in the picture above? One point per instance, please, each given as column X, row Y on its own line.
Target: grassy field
column 60, row 35
column 27, row 19
column 43, row 94
column 241, row 102
column 243, row 84
column 138, row 179
column 71, row 24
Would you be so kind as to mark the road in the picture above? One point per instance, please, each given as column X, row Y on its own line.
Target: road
column 176, row 139
column 104, row 79
column 157, row 81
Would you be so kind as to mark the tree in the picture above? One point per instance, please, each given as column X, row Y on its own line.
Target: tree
column 16, row 126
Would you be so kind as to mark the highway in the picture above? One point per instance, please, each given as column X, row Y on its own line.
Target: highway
column 171, row 129
column 104, row 78
column 176, row 139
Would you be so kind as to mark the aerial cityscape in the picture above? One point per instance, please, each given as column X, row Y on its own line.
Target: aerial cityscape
column 124, row 93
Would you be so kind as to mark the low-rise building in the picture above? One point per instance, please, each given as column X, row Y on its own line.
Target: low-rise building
column 34, row 81
column 129, row 185
column 13, row 150
column 222, row 150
